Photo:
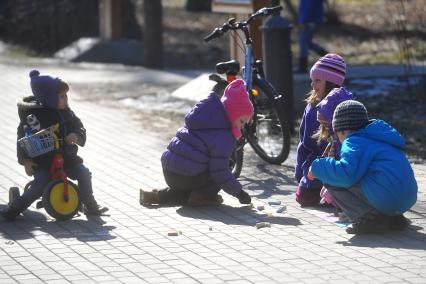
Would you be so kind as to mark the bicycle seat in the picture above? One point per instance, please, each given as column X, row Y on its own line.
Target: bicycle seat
column 231, row 67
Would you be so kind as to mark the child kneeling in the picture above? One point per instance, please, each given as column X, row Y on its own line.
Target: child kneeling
column 373, row 182
column 196, row 161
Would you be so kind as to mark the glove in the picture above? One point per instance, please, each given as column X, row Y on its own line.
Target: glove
column 243, row 197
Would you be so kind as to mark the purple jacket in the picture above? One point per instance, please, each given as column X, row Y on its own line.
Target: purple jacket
column 308, row 148
column 204, row 143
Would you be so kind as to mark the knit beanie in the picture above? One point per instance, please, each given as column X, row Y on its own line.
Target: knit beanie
column 349, row 115
column 237, row 103
column 45, row 88
column 327, row 106
column 331, row 67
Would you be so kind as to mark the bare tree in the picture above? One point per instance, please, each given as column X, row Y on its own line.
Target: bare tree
column 153, row 34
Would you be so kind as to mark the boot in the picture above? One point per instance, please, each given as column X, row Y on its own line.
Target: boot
column 149, row 197
column 5, row 216
column 12, row 211
column 303, row 65
column 322, row 52
column 199, row 199
column 92, row 208
column 398, row 223
column 371, row 223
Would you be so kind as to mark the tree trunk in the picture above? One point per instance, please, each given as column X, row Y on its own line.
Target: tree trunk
column 153, row 34
column 198, row 5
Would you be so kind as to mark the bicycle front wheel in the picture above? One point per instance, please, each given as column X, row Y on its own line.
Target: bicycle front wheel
column 55, row 204
column 269, row 134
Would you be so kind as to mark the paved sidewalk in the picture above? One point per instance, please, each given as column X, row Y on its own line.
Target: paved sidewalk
column 216, row 245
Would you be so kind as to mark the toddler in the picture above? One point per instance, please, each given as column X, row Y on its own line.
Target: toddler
column 49, row 106
column 325, row 132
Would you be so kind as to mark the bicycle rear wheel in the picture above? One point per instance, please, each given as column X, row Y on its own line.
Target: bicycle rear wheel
column 236, row 160
column 269, row 134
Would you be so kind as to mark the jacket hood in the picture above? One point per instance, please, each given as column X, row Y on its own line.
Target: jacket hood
column 382, row 131
column 26, row 104
column 208, row 113
column 29, row 102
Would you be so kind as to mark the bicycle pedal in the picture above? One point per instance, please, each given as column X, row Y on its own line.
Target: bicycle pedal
column 39, row 204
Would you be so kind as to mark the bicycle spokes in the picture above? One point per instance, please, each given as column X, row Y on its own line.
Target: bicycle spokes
column 269, row 133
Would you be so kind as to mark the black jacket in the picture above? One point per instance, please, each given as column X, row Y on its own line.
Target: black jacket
column 45, row 118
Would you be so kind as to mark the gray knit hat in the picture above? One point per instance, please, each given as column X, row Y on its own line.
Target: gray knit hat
column 349, row 115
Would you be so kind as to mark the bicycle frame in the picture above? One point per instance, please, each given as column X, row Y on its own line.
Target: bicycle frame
column 248, row 61
column 260, row 91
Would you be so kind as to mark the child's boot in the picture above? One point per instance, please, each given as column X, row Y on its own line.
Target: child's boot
column 371, row 223
column 149, row 197
column 199, row 199
column 91, row 208
column 5, row 216
column 9, row 213
column 398, row 222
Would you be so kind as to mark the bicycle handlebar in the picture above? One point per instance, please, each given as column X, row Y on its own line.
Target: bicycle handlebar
column 233, row 25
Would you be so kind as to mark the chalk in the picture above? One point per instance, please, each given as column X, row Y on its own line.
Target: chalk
column 260, row 207
column 172, row 233
column 281, row 209
column 274, row 202
column 263, row 225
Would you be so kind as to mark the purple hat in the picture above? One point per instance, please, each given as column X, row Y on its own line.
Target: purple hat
column 331, row 67
column 327, row 106
column 45, row 88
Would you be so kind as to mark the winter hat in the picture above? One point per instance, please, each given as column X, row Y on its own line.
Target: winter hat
column 327, row 106
column 45, row 88
column 349, row 115
column 331, row 67
column 236, row 102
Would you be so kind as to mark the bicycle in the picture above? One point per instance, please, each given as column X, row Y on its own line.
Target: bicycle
column 60, row 197
column 268, row 133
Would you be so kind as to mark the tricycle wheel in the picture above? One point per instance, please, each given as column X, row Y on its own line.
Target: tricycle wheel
column 55, row 203
column 13, row 193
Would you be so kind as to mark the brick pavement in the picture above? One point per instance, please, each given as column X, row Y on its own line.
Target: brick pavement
column 216, row 245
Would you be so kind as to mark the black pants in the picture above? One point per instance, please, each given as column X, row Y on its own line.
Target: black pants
column 180, row 187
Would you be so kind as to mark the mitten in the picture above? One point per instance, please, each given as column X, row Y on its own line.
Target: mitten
column 243, row 197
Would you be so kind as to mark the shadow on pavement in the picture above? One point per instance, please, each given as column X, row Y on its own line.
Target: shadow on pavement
column 229, row 215
column 410, row 238
column 35, row 224
column 271, row 180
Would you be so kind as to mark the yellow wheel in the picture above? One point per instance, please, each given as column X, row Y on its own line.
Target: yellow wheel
column 55, row 203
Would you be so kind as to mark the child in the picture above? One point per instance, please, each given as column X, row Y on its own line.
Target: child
column 47, row 107
column 325, row 132
column 196, row 161
column 326, row 74
column 373, row 182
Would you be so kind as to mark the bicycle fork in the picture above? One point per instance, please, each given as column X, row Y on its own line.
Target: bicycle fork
column 57, row 172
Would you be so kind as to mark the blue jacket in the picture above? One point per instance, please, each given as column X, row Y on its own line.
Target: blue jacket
column 204, row 143
column 374, row 158
column 308, row 148
column 311, row 11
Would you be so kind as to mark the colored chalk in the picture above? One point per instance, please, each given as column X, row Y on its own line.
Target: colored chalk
column 263, row 225
column 281, row 209
column 274, row 202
